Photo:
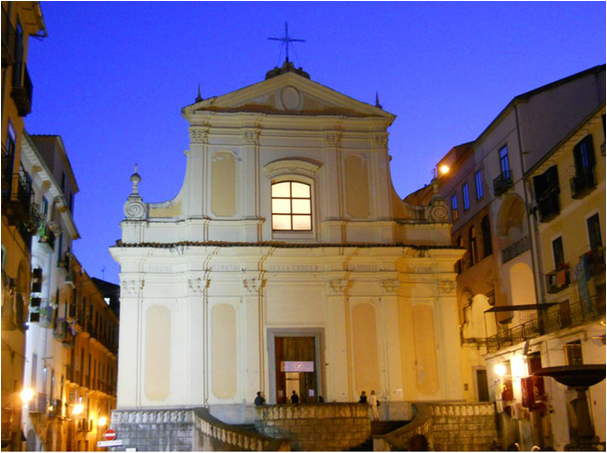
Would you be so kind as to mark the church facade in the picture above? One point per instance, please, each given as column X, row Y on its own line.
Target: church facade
column 286, row 263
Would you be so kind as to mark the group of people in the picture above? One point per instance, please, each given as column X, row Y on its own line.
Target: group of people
column 260, row 400
column 372, row 401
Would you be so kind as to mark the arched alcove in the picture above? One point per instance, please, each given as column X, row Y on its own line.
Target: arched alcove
column 475, row 318
column 511, row 225
column 522, row 286
column 465, row 299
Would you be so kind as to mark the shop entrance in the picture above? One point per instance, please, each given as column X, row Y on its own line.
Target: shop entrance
column 296, row 368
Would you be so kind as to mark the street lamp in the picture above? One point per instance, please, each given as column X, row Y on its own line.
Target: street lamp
column 500, row 369
column 77, row 409
column 102, row 421
column 27, row 394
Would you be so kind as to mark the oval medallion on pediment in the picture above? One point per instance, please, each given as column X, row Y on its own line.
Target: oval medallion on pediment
column 290, row 98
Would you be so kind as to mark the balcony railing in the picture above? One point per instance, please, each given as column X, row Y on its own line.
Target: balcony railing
column 596, row 260
column 46, row 236
column 61, row 328
column 55, row 409
column 558, row 280
column 8, row 40
column 502, row 183
column 516, row 249
column 16, row 195
column 569, row 315
column 583, row 182
column 84, row 425
column 23, row 89
column 38, row 404
column 7, row 422
column 549, row 206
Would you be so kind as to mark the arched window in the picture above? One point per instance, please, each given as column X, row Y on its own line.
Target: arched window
column 291, row 206
column 472, row 246
column 486, row 232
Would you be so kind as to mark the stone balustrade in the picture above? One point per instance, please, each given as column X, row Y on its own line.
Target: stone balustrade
column 186, row 430
column 447, row 426
column 316, row 427
column 232, row 436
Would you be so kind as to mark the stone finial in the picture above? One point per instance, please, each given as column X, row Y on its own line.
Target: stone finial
column 199, row 97
column 377, row 104
column 134, row 208
column 135, row 179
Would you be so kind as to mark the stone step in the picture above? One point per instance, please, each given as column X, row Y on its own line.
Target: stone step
column 365, row 446
column 384, row 427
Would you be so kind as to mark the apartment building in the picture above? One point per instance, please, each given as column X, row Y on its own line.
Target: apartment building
column 505, row 277
column 20, row 21
column 71, row 339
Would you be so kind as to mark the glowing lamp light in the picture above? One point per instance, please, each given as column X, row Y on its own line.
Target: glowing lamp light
column 102, row 421
column 519, row 366
column 500, row 369
column 27, row 394
column 77, row 409
column 443, row 169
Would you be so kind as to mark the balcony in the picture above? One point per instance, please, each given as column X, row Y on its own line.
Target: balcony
column 595, row 261
column 548, row 205
column 8, row 40
column 502, row 183
column 16, row 195
column 516, row 249
column 38, row 404
column 46, row 236
column 64, row 263
column 23, row 89
column 54, row 409
column 70, row 278
column 568, row 315
column 63, row 333
column 84, row 425
column 61, row 328
column 558, row 280
column 583, row 182
column 7, row 421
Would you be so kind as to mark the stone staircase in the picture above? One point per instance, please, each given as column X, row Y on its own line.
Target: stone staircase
column 377, row 429
column 316, row 427
column 447, row 426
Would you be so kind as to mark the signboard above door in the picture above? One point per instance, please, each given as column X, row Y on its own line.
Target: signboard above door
column 297, row 367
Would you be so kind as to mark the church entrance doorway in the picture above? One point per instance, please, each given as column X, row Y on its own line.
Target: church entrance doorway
column 295, row 366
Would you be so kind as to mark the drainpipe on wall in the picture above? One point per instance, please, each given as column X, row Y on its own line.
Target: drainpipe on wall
column 532, row 226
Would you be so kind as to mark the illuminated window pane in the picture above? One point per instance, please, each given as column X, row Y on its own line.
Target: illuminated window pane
column 281, row 206
column 291, row 206
column 302, row 222
column 302, row 207
column 281, row 222
column 300, row 190
column 281, row 189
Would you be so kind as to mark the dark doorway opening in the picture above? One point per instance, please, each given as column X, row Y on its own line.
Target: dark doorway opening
column 481, row 385
column 296, row 368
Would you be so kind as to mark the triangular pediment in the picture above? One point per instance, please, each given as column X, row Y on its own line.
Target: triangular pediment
column 288, row 94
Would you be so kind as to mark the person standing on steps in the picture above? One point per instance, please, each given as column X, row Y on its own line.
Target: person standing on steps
column 373, row 402
column 259, row 400
column 294, row 398
column 363, row 398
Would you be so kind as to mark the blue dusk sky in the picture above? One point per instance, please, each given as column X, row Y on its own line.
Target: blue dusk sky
column 111, row 79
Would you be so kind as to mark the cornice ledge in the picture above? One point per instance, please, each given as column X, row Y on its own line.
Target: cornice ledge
column 283, row 166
